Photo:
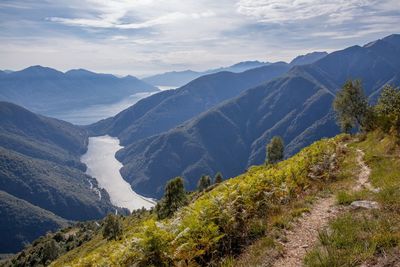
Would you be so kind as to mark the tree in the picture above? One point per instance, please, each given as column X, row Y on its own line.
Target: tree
column 218, row 178
column 388, row 108
column 50, row 251
column 174, row 198
column 351, row 106
column 112, row 227
column 275, row 150
column 204, row 183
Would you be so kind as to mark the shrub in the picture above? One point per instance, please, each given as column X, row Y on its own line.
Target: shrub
column 112, row 227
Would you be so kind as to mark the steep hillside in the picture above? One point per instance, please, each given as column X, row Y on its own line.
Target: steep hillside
column 221, row 221
column 21, row 222
column 232, row 136
column 306, row 203
column 40, row 167
column 47, row 90
column 165, row 110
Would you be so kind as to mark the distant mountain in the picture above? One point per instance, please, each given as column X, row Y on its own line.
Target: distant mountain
column 173, row 78
column 165, row 110
column 47, row 90
column 40, row 167
column 180, row 78
column 308, row 58
column 232, row 136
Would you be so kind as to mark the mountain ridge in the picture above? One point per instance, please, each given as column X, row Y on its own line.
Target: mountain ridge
column 189, row 150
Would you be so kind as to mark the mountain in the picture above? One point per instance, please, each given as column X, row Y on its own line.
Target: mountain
column 232, row 136
column 22, row 222
column 173, row 78
column 180, row 78
column 167, row 109
column 40, row 171
column 308, row 58
column 47, row 90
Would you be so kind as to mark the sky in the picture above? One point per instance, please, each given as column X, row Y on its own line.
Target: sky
column 144, row 37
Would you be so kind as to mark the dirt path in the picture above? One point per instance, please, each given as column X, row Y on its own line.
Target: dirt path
column 304, row 233
column 363, row 176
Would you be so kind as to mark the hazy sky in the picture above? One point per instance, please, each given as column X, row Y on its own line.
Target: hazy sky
column 141, row 37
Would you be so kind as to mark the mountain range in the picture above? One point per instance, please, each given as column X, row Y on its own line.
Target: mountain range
column 180, row 78
column 47, row 91
column 42, row 181
column 231, row 136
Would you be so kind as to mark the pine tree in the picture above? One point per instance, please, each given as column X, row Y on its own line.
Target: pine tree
column 218, row 178
column 112, row 227
column 204, row 183
column 275, row 150
column 174, row 198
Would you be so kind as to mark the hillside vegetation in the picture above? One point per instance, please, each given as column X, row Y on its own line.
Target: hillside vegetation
column 220, row 222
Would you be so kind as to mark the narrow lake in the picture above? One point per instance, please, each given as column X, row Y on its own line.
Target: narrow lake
column 94, row 113
column 102, row 165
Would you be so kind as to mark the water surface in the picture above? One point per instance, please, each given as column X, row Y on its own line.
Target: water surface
column 94, row 113
column 102, row 165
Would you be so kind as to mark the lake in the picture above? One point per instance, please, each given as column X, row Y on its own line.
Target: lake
column 94, row 113
column 102, row 165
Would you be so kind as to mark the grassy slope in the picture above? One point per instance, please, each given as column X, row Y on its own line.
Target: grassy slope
column 226, row 219
column 366, row 236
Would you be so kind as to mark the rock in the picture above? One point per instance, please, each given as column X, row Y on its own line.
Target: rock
column 365, row 204
column 376, row 190
column 304, row 246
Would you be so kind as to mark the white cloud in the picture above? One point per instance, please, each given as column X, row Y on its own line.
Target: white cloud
column 149, row 36
column 285, row 11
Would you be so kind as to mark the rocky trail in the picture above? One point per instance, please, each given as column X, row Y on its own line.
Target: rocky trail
column 304, row 233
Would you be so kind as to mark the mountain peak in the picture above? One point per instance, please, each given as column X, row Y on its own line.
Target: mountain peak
column 308, row 58
column 38, row 69
column 249, row 63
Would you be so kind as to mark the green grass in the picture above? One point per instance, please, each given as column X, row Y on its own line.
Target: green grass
column 360, row 236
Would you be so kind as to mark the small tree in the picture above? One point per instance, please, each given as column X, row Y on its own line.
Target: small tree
column 388, row 108
column 204, row 183
column 50, row 251
column 218, row 178
column 275, row 150
column 174, row 198
column 351, row 106
column 112, row 227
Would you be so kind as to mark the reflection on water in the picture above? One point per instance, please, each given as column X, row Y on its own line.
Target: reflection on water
column 95, row 113
column 102, row 165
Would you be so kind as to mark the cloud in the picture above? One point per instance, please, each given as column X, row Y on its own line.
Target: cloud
column 113, row 14
column 283, row 11
column 149, row 36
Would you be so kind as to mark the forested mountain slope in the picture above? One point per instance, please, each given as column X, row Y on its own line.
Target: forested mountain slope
column 232, row 136
column 165, row 110
column 40, row 168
